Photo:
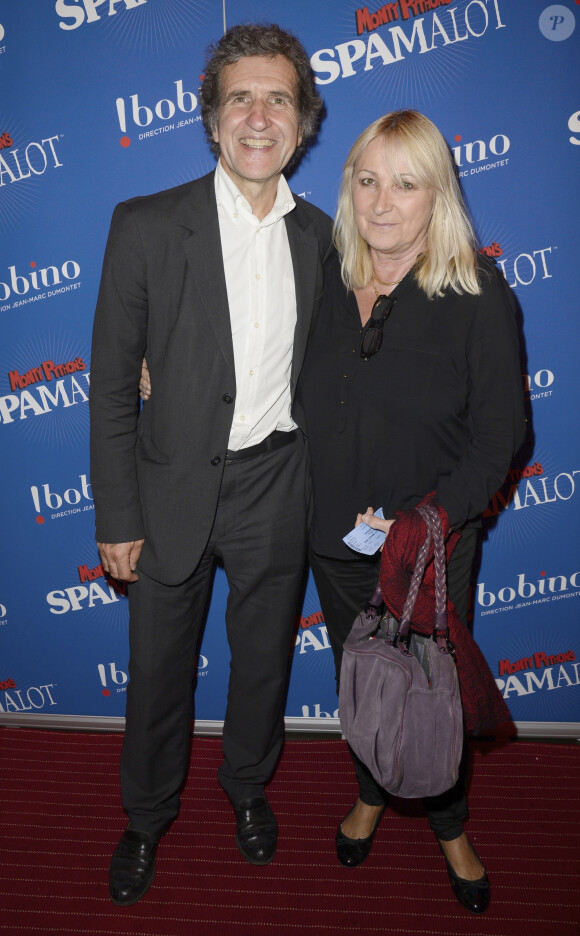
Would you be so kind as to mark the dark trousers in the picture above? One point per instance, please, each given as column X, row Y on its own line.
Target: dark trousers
column 344, row 587
column 259, row 534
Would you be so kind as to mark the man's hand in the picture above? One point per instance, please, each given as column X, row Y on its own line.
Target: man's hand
column 120, row 559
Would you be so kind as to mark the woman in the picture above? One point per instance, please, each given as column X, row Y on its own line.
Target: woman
column 411, row 384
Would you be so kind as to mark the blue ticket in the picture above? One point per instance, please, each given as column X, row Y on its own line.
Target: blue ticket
column 364, row 539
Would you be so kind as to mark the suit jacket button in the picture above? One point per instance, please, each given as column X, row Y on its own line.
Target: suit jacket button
column 216, row 461
column 227, row 398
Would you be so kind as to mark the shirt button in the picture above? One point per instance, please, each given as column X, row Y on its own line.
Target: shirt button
column 216, row 461
column 258, row 276
column 227, row 398
column 256, row 324
column 243, row 418
column 251, row 373
column 235, row 214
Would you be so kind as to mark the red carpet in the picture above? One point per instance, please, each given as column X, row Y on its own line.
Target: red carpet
column 61, row 818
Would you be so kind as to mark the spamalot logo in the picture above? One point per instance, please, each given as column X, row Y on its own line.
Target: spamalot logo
column 444, row 26
column 80, row 597
column 540, row 671
column 45, row 371
column 70, row 386
column 403, row 9
column 17, row 164
column 89, row 11
column 530, row 486
column 13, row 699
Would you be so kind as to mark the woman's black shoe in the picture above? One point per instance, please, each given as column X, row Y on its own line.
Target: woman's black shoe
column 352, row 852
column 473, row 895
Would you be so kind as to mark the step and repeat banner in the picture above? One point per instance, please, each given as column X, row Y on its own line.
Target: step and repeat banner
column 100, row 103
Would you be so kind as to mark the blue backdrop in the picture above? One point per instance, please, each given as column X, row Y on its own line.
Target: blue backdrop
column 100, row 103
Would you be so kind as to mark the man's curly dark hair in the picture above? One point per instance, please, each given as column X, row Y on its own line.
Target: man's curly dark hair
column 267, row 40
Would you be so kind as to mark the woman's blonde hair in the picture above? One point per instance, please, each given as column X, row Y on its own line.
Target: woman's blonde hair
column 449, row 260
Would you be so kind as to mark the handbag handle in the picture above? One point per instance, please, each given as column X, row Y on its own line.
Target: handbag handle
column 434, row 535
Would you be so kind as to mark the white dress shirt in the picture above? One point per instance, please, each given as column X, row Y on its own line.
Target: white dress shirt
column 262, row 302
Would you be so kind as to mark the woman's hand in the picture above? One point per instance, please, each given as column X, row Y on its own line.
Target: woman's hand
column 375, row 522
column 145, row 382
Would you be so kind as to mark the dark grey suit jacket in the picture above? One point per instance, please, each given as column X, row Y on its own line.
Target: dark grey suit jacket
column 156, row 473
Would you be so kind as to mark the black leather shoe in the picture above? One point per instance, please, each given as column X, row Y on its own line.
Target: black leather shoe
column 473, row 895
column 256, row 830
column 352, row 852
column 132, row 867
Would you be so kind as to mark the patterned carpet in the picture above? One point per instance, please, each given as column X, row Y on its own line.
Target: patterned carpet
column 61, row 817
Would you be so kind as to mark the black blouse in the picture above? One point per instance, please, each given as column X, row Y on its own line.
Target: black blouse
column 439, row 407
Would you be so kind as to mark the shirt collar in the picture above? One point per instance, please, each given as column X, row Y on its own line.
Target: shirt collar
column 236, row 206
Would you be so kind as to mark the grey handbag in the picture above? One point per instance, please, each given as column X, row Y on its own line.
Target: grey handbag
column 399, row 702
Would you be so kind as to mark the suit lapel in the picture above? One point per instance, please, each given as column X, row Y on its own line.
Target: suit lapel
column 203, row 251
column 305, row 258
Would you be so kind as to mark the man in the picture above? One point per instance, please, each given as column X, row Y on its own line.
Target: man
column 217, row 282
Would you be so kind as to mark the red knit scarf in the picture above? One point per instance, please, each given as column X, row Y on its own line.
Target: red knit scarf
column 483, row 704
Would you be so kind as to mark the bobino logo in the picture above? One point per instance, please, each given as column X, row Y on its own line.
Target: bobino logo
column 111, row 675
column 134, row 113
column 538, row 386
column 557, row 22
column 13, row 699
column 22, row 162
column 522, row 593
column 19, row 290
column 70, row 387
column 478, row 156
column 315, row 711
column 71, row 499
column 3, row 614
column 90, row 11
column 2, row 34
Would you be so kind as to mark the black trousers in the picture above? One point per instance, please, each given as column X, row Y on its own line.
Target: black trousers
column 259, row 534
column 344, row 587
